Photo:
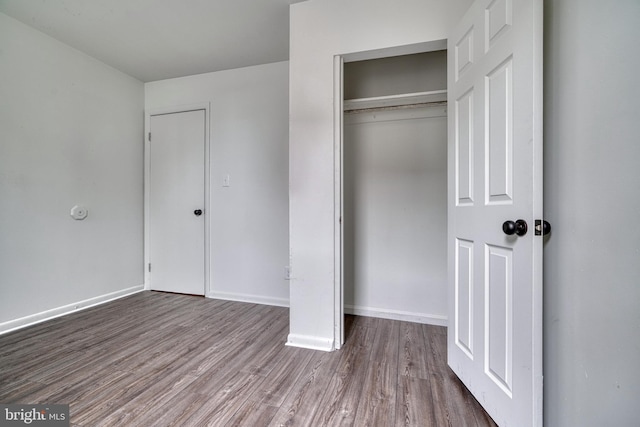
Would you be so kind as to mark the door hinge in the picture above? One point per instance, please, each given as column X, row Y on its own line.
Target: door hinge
column 149, row 136
column 149, row 267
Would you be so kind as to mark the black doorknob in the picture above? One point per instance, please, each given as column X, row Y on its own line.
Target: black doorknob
column 197, row 212
column 509, row 228
column 518, row 227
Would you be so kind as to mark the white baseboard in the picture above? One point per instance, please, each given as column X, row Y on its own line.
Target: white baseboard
column 43, row 316
column 255, row 299
column 310, row 342
column 429, row 319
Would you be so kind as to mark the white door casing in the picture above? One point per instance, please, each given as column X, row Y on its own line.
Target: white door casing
column 338, row 237
column 176, row 189
column 495, row 175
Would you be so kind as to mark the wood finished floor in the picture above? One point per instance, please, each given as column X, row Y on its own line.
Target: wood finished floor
column 156, row 359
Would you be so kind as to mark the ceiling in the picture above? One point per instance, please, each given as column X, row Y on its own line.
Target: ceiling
column 159, row 39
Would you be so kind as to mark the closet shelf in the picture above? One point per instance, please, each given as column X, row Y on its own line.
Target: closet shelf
column 402, row 100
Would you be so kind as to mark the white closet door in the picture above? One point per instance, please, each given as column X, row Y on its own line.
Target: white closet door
column 495, row 187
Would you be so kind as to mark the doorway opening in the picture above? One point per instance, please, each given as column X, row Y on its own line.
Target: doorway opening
column 392, row 196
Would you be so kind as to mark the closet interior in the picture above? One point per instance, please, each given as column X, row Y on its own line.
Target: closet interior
column 395, row 187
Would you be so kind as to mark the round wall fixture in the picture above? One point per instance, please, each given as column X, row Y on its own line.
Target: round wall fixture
column 79, row 212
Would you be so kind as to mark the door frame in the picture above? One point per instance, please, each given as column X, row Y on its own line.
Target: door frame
column 338, row 166
column 206, row 106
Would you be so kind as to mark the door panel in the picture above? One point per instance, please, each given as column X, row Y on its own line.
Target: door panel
column 176, row 191
column 498, row 20
column 463, row 53
column 495, row 131
column 464, row 149
column 464, row 290
column 498, row 316
column 499, row 135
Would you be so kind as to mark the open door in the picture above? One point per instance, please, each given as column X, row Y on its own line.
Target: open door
column 495, row 199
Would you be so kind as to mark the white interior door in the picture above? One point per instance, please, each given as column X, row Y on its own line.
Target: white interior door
column 176, row 202
column 495, row 175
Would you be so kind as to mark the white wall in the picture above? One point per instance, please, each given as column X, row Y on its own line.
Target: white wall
column 420, row 72
column 395, row 214
column 321, row 29
column 70, row 133
column 592, row 199
column 249, row 141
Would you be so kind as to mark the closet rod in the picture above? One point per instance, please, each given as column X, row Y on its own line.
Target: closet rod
column 396, row 107
column 407, row 100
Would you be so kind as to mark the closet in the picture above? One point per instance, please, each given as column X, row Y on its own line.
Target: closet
column 395, row 187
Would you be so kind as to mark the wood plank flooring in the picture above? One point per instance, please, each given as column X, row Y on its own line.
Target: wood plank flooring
column 157, row 359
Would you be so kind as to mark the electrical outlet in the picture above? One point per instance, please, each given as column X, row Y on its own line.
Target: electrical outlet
column 287, row 273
